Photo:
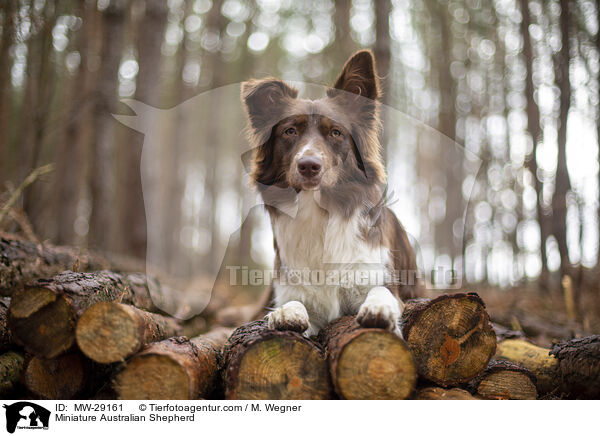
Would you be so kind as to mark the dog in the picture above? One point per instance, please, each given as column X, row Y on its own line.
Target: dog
column 322, row 159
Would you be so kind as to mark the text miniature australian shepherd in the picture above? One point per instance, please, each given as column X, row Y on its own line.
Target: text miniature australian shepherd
column 319, row 169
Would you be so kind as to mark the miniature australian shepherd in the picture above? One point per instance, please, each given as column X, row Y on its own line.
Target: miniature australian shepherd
column 319, row 168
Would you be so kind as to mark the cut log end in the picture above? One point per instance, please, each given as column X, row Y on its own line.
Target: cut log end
column 110, row 332
column 11, row 367
column 376, row 365
column 153, row 377
column 56, row 379
column 450, row 336
column 268, row 364
column 41, row 321
column 107, row 333
column 174, row 369
column 503, row 380
column 367, row 363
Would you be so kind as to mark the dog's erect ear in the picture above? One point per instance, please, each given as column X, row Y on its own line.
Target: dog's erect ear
column 359, row 76
column 264, row 100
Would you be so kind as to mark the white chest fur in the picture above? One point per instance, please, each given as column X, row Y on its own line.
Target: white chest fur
column 328, row 244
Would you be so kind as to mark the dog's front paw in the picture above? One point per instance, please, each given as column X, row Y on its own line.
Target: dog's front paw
column 291, row 316
column 373, row 314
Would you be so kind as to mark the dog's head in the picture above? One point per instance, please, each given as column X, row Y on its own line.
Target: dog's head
column 317, row 144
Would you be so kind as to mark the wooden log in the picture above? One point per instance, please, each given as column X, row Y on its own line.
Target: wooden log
column 579, row 366
column 42, row 316
column 62, row 378
column 265, row 364
column 368, row 363
column 6, row 340
column 110, row 332
column 504, row 380
column 450, row 336
column 173, row 369
column 11, row 368
column 533, row 358
column 437, row 393
column 22, row 262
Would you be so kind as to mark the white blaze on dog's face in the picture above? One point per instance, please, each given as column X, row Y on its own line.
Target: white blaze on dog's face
column 309, row 150
column 326, row 144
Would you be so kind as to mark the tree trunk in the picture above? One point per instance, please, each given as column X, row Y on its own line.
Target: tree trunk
column 22, row 262
column 535, row 131
column 450, row 336
column 452, row 175
column 368, row 364
column 382, row 51
column 188, row 367
column 71, row 155
column 8, row 32
column 579, row 366
column 503, row 380
column 151, row 34
column 562, row 182
column 264, row 364
column 42, row 316
column 101, row 156
column 110, row 332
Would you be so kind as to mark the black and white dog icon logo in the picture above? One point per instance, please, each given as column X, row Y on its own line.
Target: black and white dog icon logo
column 26, row 415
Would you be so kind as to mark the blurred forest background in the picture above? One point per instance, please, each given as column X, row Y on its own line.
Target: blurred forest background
column 516, row 82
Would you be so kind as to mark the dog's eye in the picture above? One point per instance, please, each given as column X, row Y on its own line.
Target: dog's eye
column 290, row 132
column 335, row 133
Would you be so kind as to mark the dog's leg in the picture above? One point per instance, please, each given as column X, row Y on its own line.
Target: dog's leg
column 380, row 309
column 291, row 316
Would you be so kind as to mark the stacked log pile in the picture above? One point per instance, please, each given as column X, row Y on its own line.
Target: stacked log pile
column 98, row 335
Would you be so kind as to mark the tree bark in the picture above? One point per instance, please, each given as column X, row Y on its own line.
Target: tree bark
column 579, row 366
column 133, row 216
column 22, row 262
column 101, row 157
column 264, row 364
column 11, row 368
column 110, row 332
column 368, row 364
column 562, row 181
column 503, row 380
column 535, row 131
column 450, row 336
column 71, row 155
column 188, row 369
column 382, row 51
column 8, row 33
column 42, row 316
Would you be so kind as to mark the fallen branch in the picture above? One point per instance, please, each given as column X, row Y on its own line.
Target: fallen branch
column 32, row 177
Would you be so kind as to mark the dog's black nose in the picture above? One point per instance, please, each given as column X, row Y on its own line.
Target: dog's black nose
column 309, row 166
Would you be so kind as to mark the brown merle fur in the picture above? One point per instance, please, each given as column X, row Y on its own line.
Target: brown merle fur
column 357, row 171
